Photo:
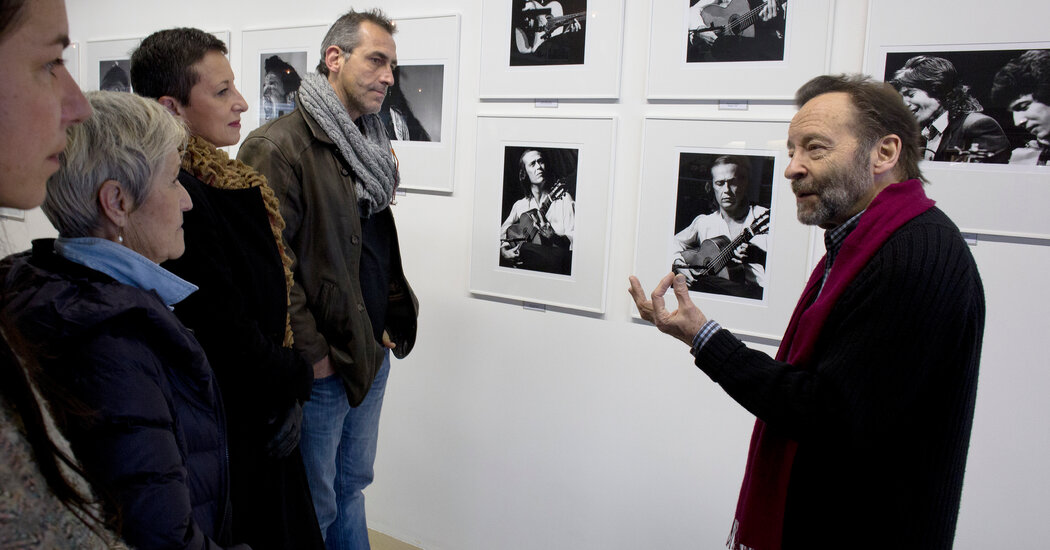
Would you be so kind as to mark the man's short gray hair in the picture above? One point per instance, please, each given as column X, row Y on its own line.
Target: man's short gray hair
column 346, row 32
column 126, row 139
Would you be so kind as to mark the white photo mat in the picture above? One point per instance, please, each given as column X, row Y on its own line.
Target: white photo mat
column 71, row 57
column 256, row 43
column 664, row 140
column 594, row 138
column 597, row 78
column 986, row 199
column 434, row 40
column 806, row 40
column 98, row 51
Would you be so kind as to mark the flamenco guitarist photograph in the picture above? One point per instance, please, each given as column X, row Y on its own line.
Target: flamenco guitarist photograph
column 736, row 30
column 548, row 32
column 538, row 209
column 723, row 249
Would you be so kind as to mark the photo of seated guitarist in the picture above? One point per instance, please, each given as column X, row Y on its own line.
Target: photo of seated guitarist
column 547, row 32
column 538, row 232
column 736, row 30
column 724, row 252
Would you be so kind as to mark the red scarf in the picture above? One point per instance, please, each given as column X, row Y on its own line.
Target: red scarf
column 760, row 509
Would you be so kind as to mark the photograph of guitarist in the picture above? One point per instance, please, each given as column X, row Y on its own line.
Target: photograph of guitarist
column 547, row 32
column 736, row 30
column 724, row 252
column 538, row 232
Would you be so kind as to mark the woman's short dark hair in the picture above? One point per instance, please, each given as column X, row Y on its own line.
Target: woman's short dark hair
column 1029, row 73
column 163, row 63
column 878, row 112
column 938, row 78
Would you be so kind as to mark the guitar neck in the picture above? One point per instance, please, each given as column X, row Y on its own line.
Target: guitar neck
column 748, row 19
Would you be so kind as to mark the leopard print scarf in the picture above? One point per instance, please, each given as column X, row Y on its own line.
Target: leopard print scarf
column 215, row 168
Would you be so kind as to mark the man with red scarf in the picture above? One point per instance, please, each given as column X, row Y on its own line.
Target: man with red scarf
column 864, row 417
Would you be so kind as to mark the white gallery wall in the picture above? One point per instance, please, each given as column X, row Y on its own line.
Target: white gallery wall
column 513, row 428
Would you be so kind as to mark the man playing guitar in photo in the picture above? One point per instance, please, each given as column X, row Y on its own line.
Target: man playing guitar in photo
column 736, row 30
column 540, row 23
column 725, row 252
column 538, row 232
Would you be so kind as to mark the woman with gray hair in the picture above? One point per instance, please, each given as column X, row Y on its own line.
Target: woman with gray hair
column 94, row 310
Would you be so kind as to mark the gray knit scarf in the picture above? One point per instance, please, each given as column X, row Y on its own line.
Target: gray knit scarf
column 375, row 168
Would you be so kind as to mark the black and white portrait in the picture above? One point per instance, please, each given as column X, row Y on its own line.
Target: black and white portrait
column 977, row 106
column 548, row 32
column 736, row 30
column 412, row 108
column 279, row 83
column 721, row 236
column 114, row 75
column 538, row 209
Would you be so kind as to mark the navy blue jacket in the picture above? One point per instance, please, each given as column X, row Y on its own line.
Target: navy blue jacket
column 153, row 443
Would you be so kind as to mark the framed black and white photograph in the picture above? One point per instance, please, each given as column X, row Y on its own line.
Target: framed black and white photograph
column 721, row 230
column 738, row 30
column 541, row 209
column 715, row 207
column 736, row 49
column 282, row 74
column 551, row 49
column 419, row 112
column 273, row 64
column 538, row 208
column 548, row 32
column 114, row 75
column 108, row 64
column 412, row 108
column 964, row 115
column 986, row 132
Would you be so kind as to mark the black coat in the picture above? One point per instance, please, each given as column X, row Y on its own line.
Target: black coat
column 154, row 443
column 238, row 315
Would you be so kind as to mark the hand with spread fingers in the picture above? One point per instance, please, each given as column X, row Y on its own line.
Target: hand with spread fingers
column 682, row 323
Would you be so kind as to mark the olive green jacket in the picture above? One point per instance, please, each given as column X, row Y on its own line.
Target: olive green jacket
column 323, row 233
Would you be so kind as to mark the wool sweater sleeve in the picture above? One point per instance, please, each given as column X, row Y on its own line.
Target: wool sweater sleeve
column 905, row 329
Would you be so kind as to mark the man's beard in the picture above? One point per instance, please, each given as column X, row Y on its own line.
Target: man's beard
column 837, row 191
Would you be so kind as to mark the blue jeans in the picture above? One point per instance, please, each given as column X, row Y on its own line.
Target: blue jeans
column 339, row 449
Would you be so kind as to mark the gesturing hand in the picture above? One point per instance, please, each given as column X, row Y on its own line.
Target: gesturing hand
column 682, row 323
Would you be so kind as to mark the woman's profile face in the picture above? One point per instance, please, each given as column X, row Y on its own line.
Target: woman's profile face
column 38, row 101
column 155, row 227
column 215, row 105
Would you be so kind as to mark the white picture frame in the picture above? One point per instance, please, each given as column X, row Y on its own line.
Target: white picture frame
column 429, row 166
column 598, row 77
column 593, row 140
column 97, row 52
column 1013, row 208
column 665, row 139
column 806, row 37
column 258, row 43
column 71, row 57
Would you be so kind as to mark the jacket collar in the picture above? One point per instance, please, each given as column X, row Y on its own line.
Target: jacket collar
column 126, row 266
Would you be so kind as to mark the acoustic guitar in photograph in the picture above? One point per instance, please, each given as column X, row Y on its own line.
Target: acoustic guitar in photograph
column 736, row 19
column 713, row 255
column 527, row 227
column 538, row 24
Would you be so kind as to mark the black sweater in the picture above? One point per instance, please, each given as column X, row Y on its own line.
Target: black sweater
column 883, row 417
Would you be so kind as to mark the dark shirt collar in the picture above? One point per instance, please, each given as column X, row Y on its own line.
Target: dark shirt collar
column 833, row 239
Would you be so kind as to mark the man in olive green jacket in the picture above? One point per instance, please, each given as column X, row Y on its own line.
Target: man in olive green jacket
column 332, row 168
